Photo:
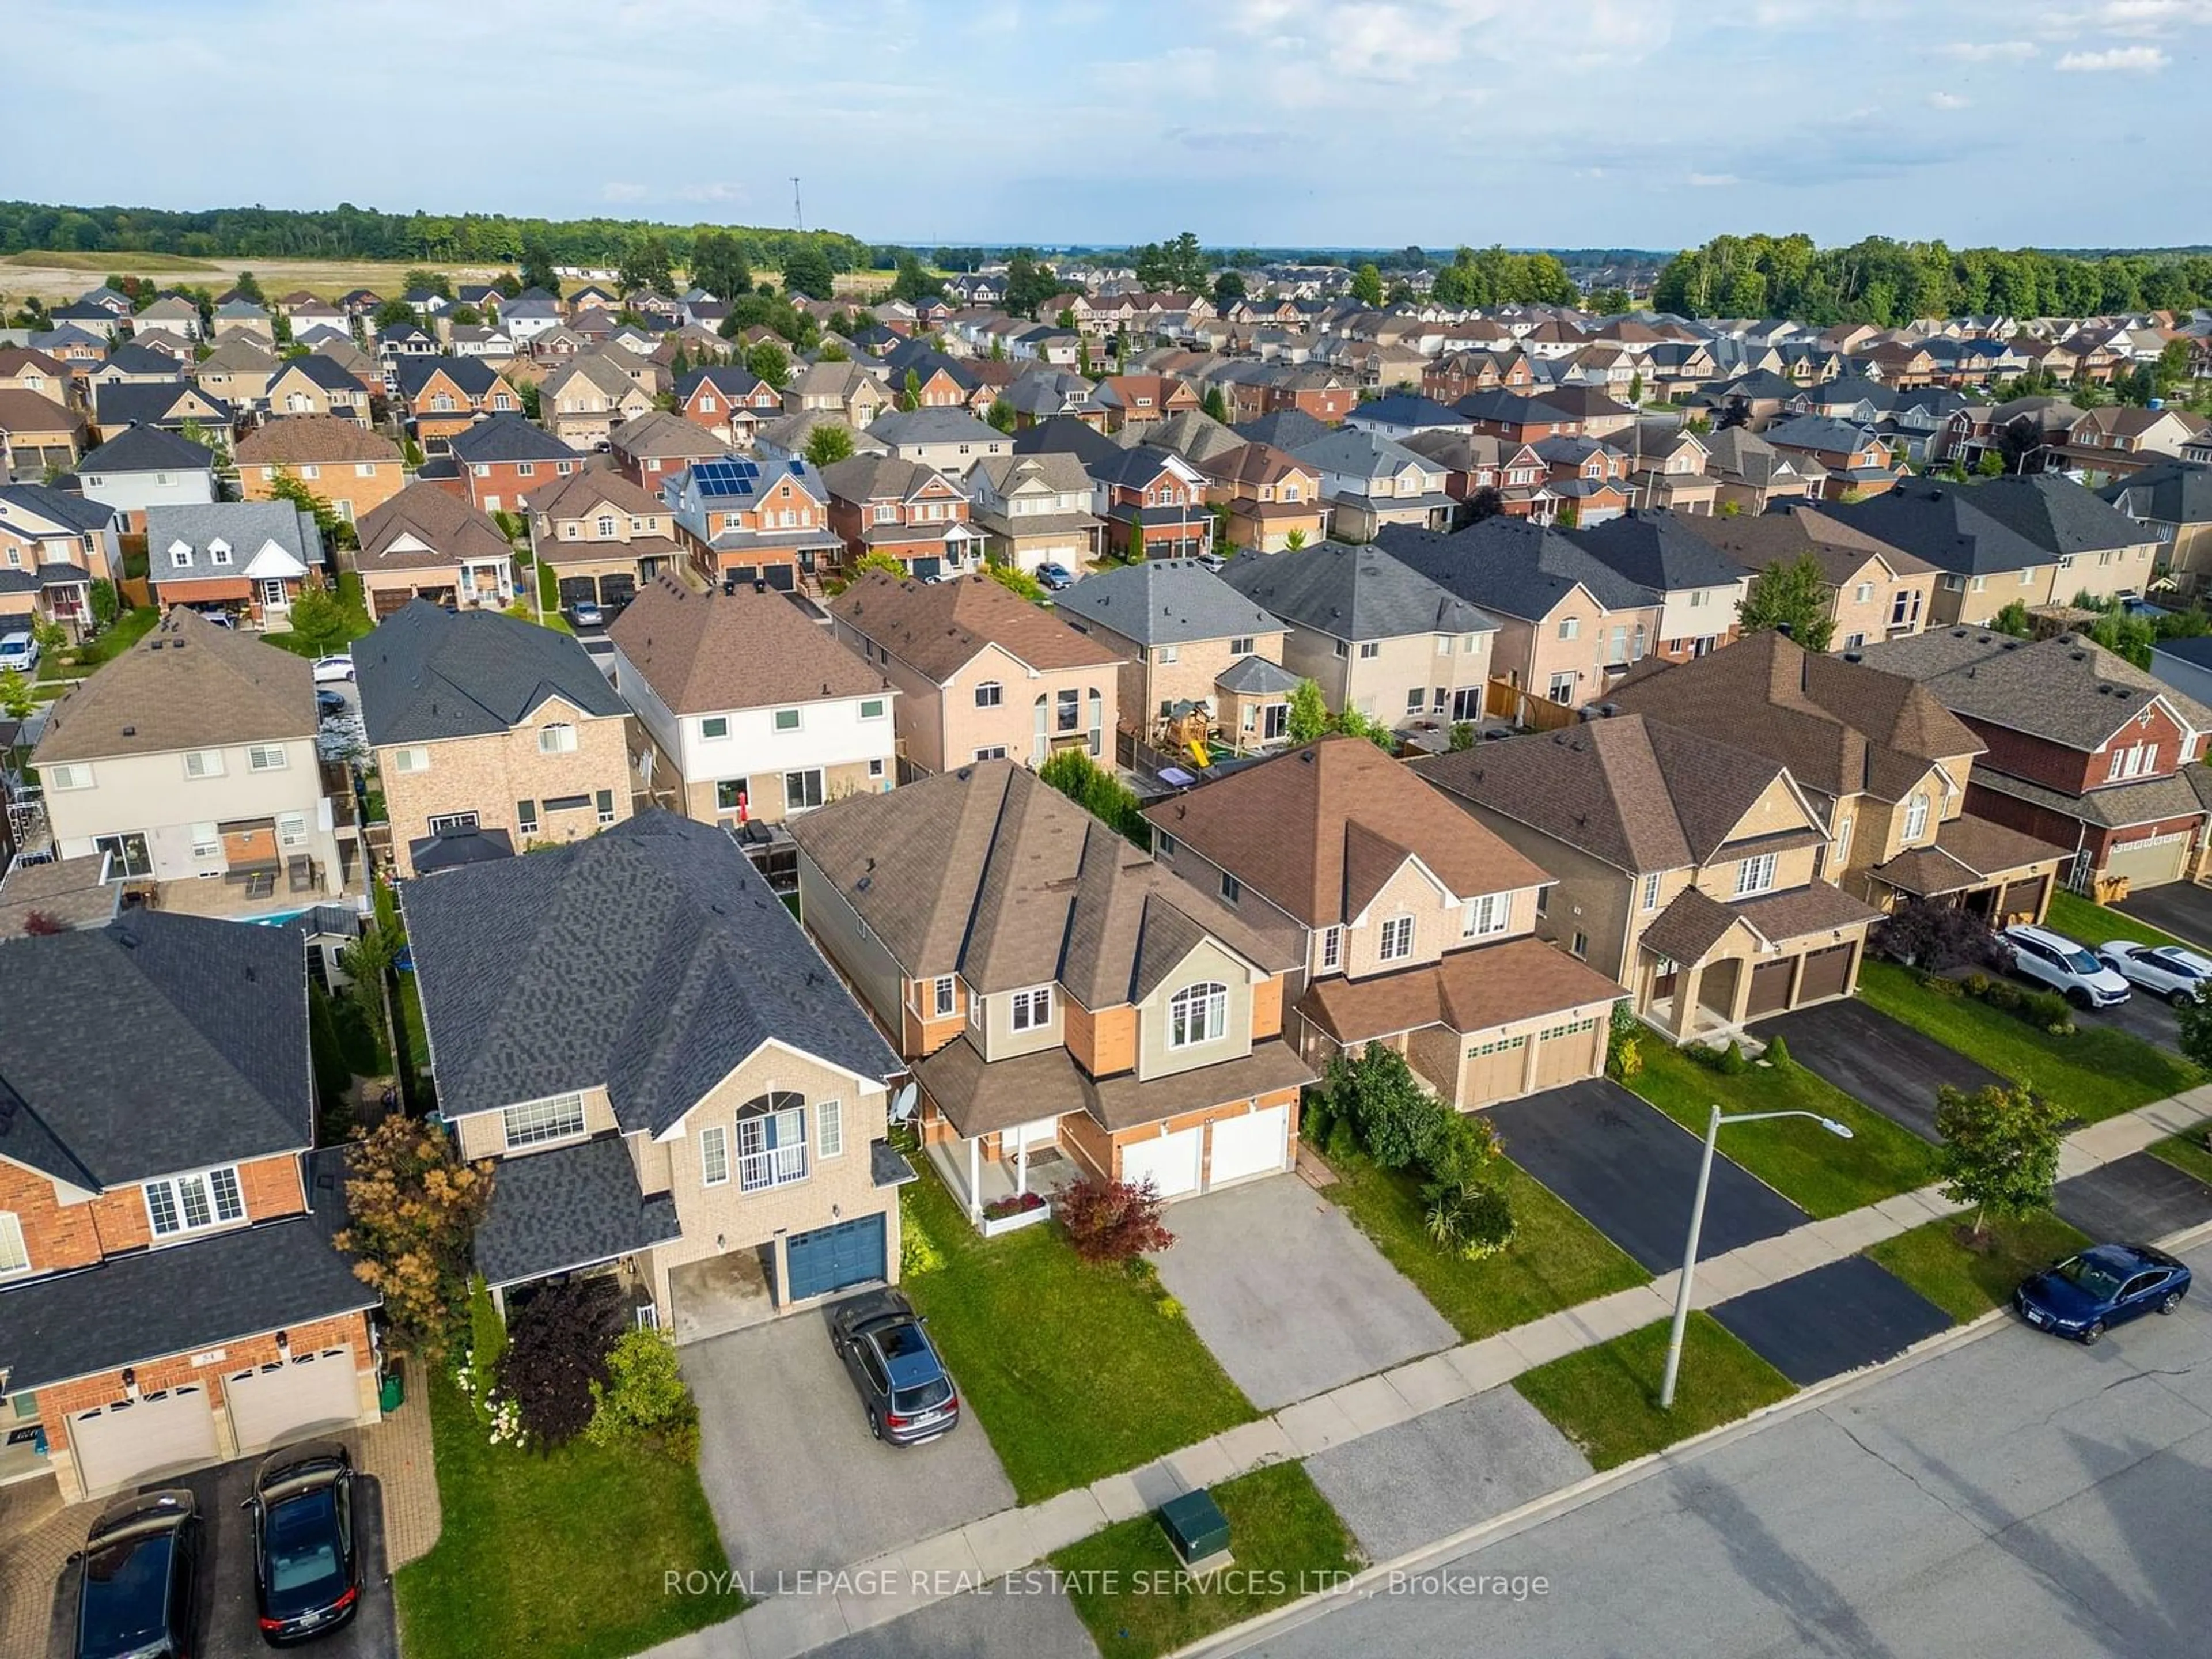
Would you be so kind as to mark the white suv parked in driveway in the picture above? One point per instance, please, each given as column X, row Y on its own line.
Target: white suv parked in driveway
column 2058, row 961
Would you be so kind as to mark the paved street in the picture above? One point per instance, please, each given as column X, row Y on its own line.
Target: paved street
column 2017, row 1495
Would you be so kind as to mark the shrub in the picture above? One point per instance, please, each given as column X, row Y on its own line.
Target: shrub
column 1343, row 1141
column 1624, row 1045
column 644, row 1398
column 1777, row 1051
column 2049, row 1010
column 1168, row 1307
column 1457, row 1149
column 556, row 1355
column 1471, row 1219
column 412, row 1208
column 918, row 1251
column 1731, row 1062
column 1933, row 937
column 1012, row 1204
column 1112, row 1221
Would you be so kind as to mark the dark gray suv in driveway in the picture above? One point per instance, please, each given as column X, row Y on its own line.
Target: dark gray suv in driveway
column 904, row 1387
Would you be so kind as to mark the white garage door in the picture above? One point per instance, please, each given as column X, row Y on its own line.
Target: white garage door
column 1170, row 1162
column 2148, row 863
column 131, row 1442
column 1249, row 1146
column 313, row 1392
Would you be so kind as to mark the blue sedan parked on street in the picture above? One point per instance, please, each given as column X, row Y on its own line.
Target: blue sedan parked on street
column 2106, row 1284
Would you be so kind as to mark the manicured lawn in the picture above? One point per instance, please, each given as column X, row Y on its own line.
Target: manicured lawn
column 1556, row 1260
column 1128, row 1587
column 558, row 1556
column 1606, row 1399
column 1966, row 1283
column 2093, row 924
column 2097, row 1072
column 1076, row 1372
column 2187, row 1151
column 1821, row 1173
column 127, row 629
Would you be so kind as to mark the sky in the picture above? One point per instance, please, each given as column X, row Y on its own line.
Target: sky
column 1358, row 123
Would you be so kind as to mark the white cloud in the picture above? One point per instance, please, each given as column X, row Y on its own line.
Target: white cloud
column 1987, row 51
column 2134, row 60
column 1948, row 100
column 1713, row 180
column 624, row 192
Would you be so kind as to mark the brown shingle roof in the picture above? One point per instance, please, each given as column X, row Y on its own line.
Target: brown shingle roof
column 703, row 652
column 1840, row 551
column 940, row 627
column 447, row 526
column 1468, row 991
column 662, row 435
column 188, row 684
column 582, row 491
column 1318, row 829
column 981, row 1097
column 22, row 411
column 313, row 439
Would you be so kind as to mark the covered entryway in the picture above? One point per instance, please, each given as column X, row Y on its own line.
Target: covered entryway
column 133, row 1441
column 1769, row 987
column 1827, row 974
column 834, row 1258
column 2151, row 863
column 1258, row 1143
column 1170, row 1162
column 292, row 1399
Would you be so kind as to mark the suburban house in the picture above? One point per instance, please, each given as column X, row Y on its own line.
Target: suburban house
column 1883, row 762
column 980, row 673
column 745, row 521
column 145, row 466
column 729, row 403
column 38, row 435
column 1033, row 510
column 1182, row 632
column 1751, row 475
column 444, row 396
column 1698, row 586
column 649, row 449
column 427, row 543
column 1854, row 461
column 53, row 546
column 2118, row 440
column 1688, row 870
column 1143, row 400
column 245, row 558
column 701, row 1110
column 1414, row 926
column 191, row 758
column 317, row 384
column 171, row 405
column 601, row 536
column 1152, row 500
column 853, row 391
column 167, row 1301
column 1068, row 1007
column 354, row 469
column 2173, row 502
column 1374, row 634
column 502, row 460
column 903, row 510
column 754, row 710
column 1271, row 499
column 1875, row 591
column 237, row 373
column 2081, row 748
column 583, row 400
column 949, row 440
column 483, row 721
column 1372, row 481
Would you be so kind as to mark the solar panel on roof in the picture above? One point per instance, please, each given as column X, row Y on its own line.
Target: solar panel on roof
column 725, row 477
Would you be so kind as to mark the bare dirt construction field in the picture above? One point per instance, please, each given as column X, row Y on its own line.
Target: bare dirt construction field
column 53, row 277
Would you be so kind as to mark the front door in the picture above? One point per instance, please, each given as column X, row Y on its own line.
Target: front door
column 272, row 595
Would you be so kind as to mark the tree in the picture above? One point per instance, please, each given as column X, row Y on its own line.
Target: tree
column 909, row 395
column 248, row 289
column 1991, row 465
column 1098, row 792
column 556, row 1363
column 1295, row 540
column 1999, row 1150
column 1353, row 724
column 393, row 314
column 913, row 284
column 644, row 264
column 466, row 317
column 1635, row 388
column 718, row 265
column 1228, row 289
column 1935, row 938
column 1001, row 415
column 645, row 1398
column 1136, row 554
column 1018, row 582
column 106, row 603
column 538, row 266
column 806, row 271
column 1309, row 713
column 1486, row 503
column 829, row 444
column 1110, row 1221
column 1215, row 403
column 1610, row 302
column 2013, row 620
column 1367, row 285
column 319, row 620
column 769, row 361
column 1570, row 514
column 1793, row 595
column 15, row 699
column 428, row 282
column 412, row 1208
column 2194, row 1016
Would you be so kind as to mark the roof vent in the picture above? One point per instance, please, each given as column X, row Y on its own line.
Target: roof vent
column 126, row 939
column 250, row 975
column 1854, row 656
column 2079, row 656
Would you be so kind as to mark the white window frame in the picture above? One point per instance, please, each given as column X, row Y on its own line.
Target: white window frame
column 714, row 1154
column 178, row 1193
column 1395, row 928
column 15, row 1252
column 1030, row 1009
column 872, row 709
column 558, row 738
column 292, row 829
column 204, row 763
column 540, row 1124
column 1754, row 875
column 411, row 760
column 1332, row 949
column 1490, row 913
column 829, row 1129
column 943, row 997
column 1915, row 816
column 714, row 727
column 1197, row 1014
column 785, row 720
column 266, row 757
column 1649, row 901
column 991, row 694
column 75, row 774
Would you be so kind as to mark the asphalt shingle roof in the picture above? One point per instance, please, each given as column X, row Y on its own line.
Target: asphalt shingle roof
column 567, row 1207
column 2172, row 492
column 187, row 684
column 1351, row 593
column 146, row 449
column 1513, row 567
column 1659, row 550
column 508, row 438
column 705, row 653
column 426, row 673
column 2068, row 690
column 1164, row 602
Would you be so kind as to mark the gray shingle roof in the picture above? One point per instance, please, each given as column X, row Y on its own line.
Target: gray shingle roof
column 1656, row 550
column 146, row 449
column 933, row 426
column 2053, row 512
column 2172, row 492
column 426, row 673
column 570, row 1206
column 56, row 507
column 652, row 960
column 1512, row 567
column 2068, row 690
column 1257, row 677
column 244, row 528
column 509, row 438
column 1163, row 602
column 1944, row 524
column 1354, row 593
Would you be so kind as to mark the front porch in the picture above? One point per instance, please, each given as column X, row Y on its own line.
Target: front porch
column 984, row 1170
column 1705, row 970
column 1998, row 874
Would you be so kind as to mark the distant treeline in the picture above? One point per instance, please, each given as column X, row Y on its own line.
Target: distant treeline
column 1889, row 283
column 346, row 232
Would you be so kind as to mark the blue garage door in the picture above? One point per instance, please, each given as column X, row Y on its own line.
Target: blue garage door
column 831, row 1258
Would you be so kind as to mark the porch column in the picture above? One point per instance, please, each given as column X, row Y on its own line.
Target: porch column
column 975, row 1177
column 1740, row 1002
column 1686, row 999
column 1021, row 1164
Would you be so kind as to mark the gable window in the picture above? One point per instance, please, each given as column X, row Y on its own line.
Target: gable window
column 188, row 1203
column 219, row 552
column 1649, row 899
column 1916, row 818
column 558, row 738
column 604, row 527
column 265, row 757
column 1196, row 1014
column 180, row 556
column 941, row 996
column 204, row 763
column 772, row 1140
column 537, row 1122
column 714, row 1156
column 1397, row 942
column 1032, row 1009
column 1332, row 949
column 714, row 726
column 14, row 1257
column 1488, row 915
column 1569, row 627
column 990, row 695
column 1754, row 875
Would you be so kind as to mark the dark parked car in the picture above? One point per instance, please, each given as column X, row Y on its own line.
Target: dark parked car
column 2106, row 1284
column 307, row 1557
column 904, row 1388
column 328, row 704
column 138, row 1597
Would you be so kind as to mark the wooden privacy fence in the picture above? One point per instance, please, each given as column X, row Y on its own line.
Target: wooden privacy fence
column 1503, row 700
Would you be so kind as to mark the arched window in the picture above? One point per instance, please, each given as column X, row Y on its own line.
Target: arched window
column 771, row 1139
column 989, row 695
column 1916, row 818
column 1198, row 1013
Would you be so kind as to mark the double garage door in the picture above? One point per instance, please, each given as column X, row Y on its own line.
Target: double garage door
column 1256, row 1144
column 2150, row 863
column 1825, row 976
column 132, row 1441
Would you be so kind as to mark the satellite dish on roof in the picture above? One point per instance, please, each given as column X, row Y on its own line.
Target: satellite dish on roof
column 903, row 1103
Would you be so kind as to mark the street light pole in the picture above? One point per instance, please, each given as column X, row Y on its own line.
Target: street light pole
column 1841, row 1130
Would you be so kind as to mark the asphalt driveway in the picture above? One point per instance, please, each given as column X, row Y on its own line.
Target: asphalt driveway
column 2136, row 1199
column 1876, row 1060
column 1632, row 1172
column 794, row 1478
column 1842, row 1317
column 2144, row 1015
column 2180, row 907
column 227, row 1612
column 1292, row 1297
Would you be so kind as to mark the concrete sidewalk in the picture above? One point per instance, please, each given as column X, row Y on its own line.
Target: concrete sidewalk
column 970, row 1557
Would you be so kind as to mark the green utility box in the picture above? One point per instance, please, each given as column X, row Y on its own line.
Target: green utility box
column 1196, row 1526
column 391, row 1393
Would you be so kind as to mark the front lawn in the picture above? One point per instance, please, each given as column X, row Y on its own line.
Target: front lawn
column 1129, row 1588
column 1967, row 1283
column 2093, row 924
column 1077, row 1372
column 557, row 1556
column 1556, row 1260
column 1606, row 1399
column 2096, row 1073
column 126, row 631
column 1822, row 1174
column 2187, row 1151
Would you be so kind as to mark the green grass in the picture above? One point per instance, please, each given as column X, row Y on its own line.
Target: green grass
column 1821, row 1174
column 1556, row 1260
column 2094, row 924
column 557, row 1556
column 2096, row 1073
column 1129, row 1590
column 127, row 629
column 1967, row 1283
column 1606, row 1399
column 2187, row 1151
column 1076, row 1372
